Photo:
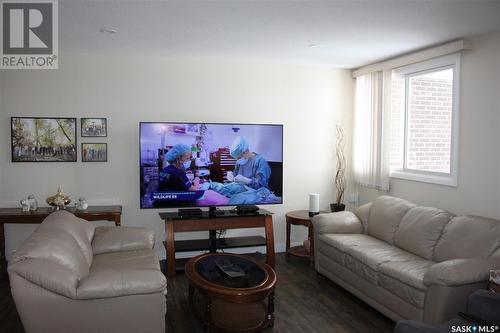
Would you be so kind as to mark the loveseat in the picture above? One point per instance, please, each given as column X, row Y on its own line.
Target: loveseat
column 70, row 276
column 407, row 261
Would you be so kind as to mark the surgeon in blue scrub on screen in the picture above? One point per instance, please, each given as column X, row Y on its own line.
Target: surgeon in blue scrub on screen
column 251, row 168
column 173, row 177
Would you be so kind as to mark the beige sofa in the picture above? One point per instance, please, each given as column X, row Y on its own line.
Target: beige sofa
column 408, row 262
column 70, row 276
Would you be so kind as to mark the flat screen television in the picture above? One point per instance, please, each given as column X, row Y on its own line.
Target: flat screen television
column 210, row 164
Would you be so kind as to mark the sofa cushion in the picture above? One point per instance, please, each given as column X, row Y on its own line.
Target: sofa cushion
column 116, row 239
column 420, row 229
column 386, row 214
column 55, row 246
column 366, row 259
column 363, row 213
column 468, row 237
column 106, row 277
column 81, row 230
column 407, row 293
column 339, row 223
column 409, row 272
column 334, row 245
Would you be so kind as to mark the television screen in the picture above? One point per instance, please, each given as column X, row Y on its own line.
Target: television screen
column 202, row 164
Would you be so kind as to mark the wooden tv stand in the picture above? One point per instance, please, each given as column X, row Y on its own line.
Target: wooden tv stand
column 223, row 219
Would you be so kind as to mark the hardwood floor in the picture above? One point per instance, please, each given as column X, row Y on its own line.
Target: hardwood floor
column 305, row 302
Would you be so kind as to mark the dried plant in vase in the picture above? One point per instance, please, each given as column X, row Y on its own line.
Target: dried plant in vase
column 340, row 174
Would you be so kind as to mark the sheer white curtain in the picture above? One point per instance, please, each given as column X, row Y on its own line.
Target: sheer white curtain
column 370, row 155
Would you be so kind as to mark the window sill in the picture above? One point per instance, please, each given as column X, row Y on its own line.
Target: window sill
column 439, row 179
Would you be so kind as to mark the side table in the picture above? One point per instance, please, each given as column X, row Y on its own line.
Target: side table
column 299, row 217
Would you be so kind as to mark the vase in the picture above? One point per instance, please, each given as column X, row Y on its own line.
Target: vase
column 59, row 200
column 337, row 207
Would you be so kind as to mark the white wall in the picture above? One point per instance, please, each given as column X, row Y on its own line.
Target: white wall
column 309, row 101
column 478, row 190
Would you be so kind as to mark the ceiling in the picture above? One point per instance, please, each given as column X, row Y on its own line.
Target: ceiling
column 347, row 34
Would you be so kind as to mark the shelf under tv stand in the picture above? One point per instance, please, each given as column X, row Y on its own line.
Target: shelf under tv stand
column 226, row 243
column 212, row 223
column 221, row 244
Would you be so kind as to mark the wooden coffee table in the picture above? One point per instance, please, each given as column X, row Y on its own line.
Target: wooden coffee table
column 231, row 304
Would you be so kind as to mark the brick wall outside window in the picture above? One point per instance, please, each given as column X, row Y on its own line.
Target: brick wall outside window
column 429, row 124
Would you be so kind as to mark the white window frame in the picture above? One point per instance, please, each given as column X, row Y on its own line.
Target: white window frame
column 449, row 179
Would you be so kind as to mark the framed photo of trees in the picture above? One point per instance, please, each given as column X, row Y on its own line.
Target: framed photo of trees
column 40, row 139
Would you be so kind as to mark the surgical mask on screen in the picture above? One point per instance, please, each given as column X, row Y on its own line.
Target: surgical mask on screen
column 242, row 161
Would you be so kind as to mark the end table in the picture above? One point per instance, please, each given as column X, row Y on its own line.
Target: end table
column 299, row 217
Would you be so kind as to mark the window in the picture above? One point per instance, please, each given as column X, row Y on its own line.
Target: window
column 424, row 121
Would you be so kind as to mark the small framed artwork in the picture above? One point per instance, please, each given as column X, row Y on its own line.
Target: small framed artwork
column 38, row 139
column 94, row 152
column 94, row 127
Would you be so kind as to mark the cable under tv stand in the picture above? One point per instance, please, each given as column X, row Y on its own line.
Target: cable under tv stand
column 211, row 222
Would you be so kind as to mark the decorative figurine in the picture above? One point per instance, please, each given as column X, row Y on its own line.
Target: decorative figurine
column 82, row 204
column 25, row 205
column 33, row 202
column 29, row 204
column 59, row 200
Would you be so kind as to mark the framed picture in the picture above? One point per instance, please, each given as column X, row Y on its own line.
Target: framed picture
column 94, row 152
column 94, row 127
column 38, row 139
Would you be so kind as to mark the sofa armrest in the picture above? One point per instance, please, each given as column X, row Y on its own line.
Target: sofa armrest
column 458, row 272
column 46, row 274
column 116, row 239
column 340, row 222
